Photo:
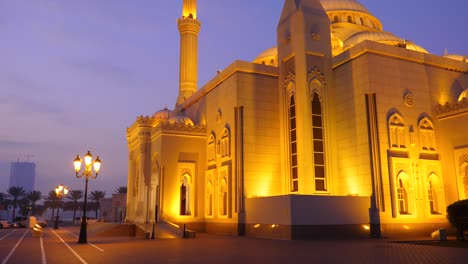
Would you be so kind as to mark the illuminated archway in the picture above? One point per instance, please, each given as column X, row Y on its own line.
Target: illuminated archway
column 403, row 193
column 434, row 194
column 223, row 197
column 185, row 195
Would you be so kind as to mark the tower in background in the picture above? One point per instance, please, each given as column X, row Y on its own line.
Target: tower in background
column 189, row 27
column 23, row 174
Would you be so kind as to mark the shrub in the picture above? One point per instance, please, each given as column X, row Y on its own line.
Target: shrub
column 457, row 214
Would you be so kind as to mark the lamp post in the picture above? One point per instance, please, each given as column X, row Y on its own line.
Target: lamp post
column 90, row 166
column 60, row 191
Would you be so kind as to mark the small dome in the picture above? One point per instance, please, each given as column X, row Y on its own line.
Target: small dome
column 463, row 95
column 455, row 57
column 337, row 5
column 163, row 114
column 412, row 46
column 382, row 36
column 268, row 57
column 181, row 119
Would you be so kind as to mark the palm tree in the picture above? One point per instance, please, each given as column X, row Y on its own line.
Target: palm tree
column 52, row 201
column 16, row 193
column 33, row 196
column 24, row 206
column 95, row 196
column 74, row 204
column 4, row 203
column 121, row 189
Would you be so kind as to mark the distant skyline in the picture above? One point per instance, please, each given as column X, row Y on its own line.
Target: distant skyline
column 75, row 74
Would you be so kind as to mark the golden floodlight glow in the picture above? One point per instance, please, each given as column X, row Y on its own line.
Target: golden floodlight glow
column 88, row 159
column 189, row 9
column 77, row 164
column 406, row 227
column 97, row 165
column 256, row 226
column 274, row 225
column 366, row 227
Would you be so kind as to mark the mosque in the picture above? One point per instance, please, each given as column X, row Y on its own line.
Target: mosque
column 341, row 130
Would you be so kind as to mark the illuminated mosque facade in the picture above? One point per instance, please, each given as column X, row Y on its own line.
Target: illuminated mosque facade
column 343, row 129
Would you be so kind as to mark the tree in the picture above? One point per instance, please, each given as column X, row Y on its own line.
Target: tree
column 16, row 193
column 24, row 206
column 121, row 189
column 3, row 201
column 53, row 202
column 457, row 215
column 94, row 197
column 33, row 196
column 74, row 197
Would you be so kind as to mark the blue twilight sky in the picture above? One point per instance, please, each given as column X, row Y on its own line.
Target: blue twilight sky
column 75, row 74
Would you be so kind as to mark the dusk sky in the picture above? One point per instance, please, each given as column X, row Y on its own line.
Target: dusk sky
column 74, row 74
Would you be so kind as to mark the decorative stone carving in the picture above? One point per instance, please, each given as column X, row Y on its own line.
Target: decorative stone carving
column 402, row 166
column 451, row 107
column 290, row 77
column 408, row 98
column 219, row 115
column 166, row 125
column 315, row 73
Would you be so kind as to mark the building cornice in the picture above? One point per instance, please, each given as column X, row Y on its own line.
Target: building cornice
column 449, row 110
column 177, row 129
column 236, row 67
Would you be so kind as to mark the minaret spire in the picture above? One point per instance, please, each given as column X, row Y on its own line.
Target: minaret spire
column 189, row 27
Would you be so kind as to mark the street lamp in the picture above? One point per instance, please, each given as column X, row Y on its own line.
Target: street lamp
column 90, row 166
column 60, row 191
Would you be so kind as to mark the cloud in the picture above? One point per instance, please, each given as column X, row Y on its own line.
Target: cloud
column 101, row 70
column 23, row 97
column 5, row 144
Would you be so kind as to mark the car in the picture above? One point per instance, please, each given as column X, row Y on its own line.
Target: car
column 5, row 223
column 20, row 221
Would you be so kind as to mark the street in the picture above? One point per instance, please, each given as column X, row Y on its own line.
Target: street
column 60, row 246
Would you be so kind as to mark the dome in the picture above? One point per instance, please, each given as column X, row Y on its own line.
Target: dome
column 463, row 95
column 349, row 5
column 181, row 119
column 455, row 57
column 268, row 57
column 350, row 24
column 412, row 46
column 382, row 36
column 164, row 114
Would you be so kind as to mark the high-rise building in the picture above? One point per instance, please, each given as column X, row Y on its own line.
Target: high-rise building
column 23, row 174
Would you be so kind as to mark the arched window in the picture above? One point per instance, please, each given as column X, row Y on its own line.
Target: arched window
column 185, row 195
column 336, row 19
column 433, row 194
column 223, row 197
column 397, row 132
column 211, row 151
column 224, row 144
column 209, row 198
column 318, row 144
column 402, row 195
column 350, row 19
column 293, row 144
column 426, row 135
column 362, row 21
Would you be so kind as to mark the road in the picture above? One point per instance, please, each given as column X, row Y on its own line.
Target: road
column 60, row 246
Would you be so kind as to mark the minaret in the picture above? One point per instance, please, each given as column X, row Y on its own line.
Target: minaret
column 189, row 27
column 304, row 56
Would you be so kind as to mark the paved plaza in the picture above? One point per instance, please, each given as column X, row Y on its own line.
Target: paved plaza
column 60, row 246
